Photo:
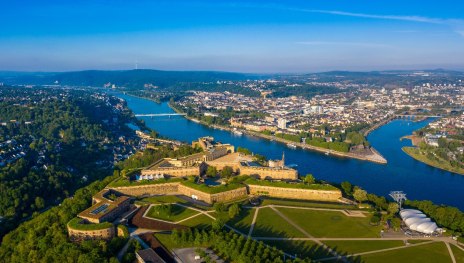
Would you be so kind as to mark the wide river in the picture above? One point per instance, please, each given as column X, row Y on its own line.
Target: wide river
column 417, row 180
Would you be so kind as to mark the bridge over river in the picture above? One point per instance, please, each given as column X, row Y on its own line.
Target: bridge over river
column 160, row 114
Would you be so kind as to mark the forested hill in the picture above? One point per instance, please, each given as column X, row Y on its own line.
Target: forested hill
column 126, row 78
column 54, row 141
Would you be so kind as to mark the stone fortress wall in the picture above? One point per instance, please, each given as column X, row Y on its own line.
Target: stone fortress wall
column 179, row 189
column 295, row 193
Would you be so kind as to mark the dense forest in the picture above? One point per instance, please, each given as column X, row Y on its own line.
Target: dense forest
column 63, row 144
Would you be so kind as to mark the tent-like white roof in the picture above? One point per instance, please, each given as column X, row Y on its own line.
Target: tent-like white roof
column 418, row 221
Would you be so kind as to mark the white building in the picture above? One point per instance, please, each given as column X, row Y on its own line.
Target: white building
column 282, row 123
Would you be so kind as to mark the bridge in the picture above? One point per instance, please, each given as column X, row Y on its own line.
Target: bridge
column 160, row 114
column 417, row 115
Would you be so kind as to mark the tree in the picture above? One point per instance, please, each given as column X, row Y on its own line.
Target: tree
column 227, row 172
column 211, row 171
column 396, row 223
column 234, row 210
column 359, row 194
column 309, row 179
column 217, row 224
column 393, row 208
column 219, row 207
column 39, row 203
column 347, row 188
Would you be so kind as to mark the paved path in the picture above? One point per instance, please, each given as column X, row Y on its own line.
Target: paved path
column 253, row 222
column 450, row 252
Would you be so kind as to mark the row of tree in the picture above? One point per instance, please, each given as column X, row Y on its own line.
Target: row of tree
column 230, row 246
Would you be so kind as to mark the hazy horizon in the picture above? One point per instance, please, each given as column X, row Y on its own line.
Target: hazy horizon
column 232, row 36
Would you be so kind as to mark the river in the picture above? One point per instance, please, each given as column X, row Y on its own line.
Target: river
column 417, row 180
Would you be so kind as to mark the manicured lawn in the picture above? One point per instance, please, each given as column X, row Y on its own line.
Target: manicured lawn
column 417, row 241
column 433, row 253
column 302, row 249
column 178, row 213
column 270, row 224
column 201, row 222
column 331, row 223
column 458, row 254
column 242, row 222
column 354, row 247
column 301, row 203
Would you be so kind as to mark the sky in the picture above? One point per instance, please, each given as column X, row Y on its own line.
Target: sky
column 239, row 36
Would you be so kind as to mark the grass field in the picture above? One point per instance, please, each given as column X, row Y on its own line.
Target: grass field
column 270, row 224
column 301, row 249
column 433, row 253
column 178, row 213
column 458, row 254
column 201, row 222
column 242, row 222
column 331, row 224
column 300, row 203
column 354, row 247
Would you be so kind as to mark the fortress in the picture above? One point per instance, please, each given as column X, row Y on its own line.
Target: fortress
column 218, row 155
column 169, row 177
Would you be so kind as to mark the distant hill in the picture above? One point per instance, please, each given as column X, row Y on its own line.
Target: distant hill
column 126, row 78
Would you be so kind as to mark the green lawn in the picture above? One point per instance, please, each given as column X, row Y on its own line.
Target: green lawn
column 302, row 249
column 270, row 224
column 165, row 239
column 438, row 163
column 331, row 223
column 433, row 253
column 201, row 222
column 178, row 213
column 242, row 222
column 301, row 203
column 354, row 247
column 458, row 254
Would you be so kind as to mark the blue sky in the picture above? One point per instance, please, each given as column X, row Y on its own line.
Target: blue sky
column 244, row 36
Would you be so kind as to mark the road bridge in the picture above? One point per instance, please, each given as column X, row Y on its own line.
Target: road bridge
column 160, row 114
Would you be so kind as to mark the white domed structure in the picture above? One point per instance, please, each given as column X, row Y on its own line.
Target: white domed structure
column 418, row 221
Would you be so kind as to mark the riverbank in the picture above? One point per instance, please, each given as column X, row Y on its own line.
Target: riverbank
column 411, row 151
column 375, row 156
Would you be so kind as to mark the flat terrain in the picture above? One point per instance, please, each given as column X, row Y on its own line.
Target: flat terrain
column 433, row 253
column 354, row 247
column 269, row 224
column 331, row 223
column 242, row 222
column 178, row 213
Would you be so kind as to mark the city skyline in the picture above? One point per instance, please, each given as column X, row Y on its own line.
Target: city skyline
column 239, row 36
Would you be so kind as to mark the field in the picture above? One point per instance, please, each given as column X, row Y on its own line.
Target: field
column 200, row 221
column 354, row 247
column 331, row 223
column 242, row 222
column 269, row 224
column 433, row 253
column 177, row 213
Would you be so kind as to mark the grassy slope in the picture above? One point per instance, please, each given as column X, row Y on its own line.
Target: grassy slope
column 270, row 224
column 331, row 224
column 458, row 254
column 444, row 165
